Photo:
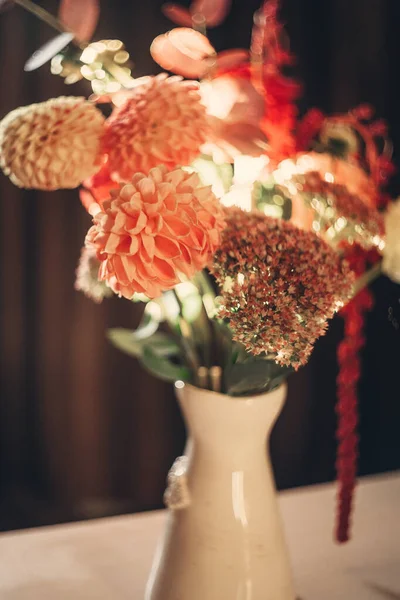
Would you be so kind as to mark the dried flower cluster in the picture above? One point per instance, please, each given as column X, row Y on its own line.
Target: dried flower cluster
column 153, row 229
column 341, row 214
column 51, row 145
column 162, row 122
column 286, row 283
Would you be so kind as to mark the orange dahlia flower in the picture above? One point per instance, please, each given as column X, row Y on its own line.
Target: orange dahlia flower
column 153, row 229
column 51, row 145
column 162, row 122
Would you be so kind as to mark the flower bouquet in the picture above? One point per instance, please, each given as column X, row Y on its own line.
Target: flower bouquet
column 242, row 229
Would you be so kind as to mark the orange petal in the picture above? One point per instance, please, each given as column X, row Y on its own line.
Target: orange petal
column 230, row 58
column 177, row 14
column 164, row 270
column 129, row 266
column 165, row 247
column 87, row 199
column 177, row 226
column 112, row 244
column 213, row 11
column 136, row 222
column 149, row 246
column 80, row 16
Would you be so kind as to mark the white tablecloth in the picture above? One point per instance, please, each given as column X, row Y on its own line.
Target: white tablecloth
column 109, row 559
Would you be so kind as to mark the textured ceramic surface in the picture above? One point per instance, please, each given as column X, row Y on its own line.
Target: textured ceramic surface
column 224, row 538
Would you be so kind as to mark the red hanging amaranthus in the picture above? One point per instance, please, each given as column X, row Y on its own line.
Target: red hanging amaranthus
column 349, row 361
column 354, row 313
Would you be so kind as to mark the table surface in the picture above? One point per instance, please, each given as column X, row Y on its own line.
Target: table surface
column 109, row 559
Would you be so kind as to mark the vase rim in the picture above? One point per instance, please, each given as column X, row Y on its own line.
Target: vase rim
column 190, row 386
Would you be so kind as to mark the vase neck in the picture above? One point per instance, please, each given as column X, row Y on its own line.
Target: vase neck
column 217, row 421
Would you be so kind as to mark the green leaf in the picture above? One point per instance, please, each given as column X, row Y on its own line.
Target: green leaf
column 254, row 376
column 162, row 344
column 131, row 341
column 161, row 367
column 124, row 340
column 127, row 341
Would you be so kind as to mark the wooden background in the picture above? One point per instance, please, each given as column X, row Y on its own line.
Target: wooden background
column 84, row 432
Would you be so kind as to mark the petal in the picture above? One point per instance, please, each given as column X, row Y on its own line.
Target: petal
column 164, row 270
column 165, row 247
column 112, row 244
column 183, row 51
column 148, row 245
column 147, row 188
column 177, row 226
column 231, row 58
column 177, row 14
column 129, row 267
column 213, row 11
column 80, row 16
column 135, row 223
column 87, row 200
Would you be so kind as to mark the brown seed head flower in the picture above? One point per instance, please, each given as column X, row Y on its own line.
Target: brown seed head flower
column 280, row 285
column 51, row 145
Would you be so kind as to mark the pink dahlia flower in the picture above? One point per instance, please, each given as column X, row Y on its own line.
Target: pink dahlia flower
column 154, row 229
column 162, row 122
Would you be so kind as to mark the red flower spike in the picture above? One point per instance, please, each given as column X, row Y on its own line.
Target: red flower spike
column 347, row 402
column 268, row 56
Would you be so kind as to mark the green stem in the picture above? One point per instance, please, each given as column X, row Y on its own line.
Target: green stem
column 367, row 278
column 186, row 342
column 42, row 14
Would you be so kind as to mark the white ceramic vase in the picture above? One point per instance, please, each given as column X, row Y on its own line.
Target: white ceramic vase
column 224, row 537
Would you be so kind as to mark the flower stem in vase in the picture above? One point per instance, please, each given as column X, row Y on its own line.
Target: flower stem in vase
column 367, row 278
column 42, row 14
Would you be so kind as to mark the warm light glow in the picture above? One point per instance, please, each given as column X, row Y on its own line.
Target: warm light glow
column 209, row 175
column 272, row 210
column 241, row 197
column 247, row 170
column 219, row 96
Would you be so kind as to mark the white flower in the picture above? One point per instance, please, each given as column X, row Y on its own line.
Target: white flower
column 391, row 252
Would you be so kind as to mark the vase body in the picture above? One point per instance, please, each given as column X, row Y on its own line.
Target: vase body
column 225, row 541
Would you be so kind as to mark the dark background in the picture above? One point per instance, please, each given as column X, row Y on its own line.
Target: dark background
column 84, row 432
